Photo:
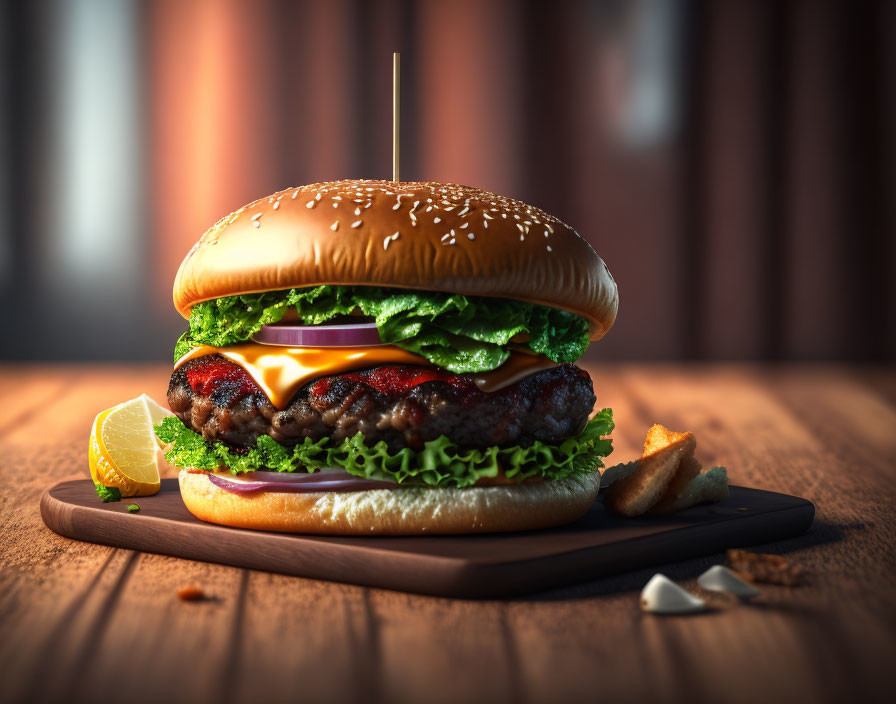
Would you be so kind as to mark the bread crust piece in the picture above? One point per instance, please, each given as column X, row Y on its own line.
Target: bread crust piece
column 406, row 511
column 411, row 235
column 640, row 490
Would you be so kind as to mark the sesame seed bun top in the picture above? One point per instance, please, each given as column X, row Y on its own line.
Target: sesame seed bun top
column 414, row 235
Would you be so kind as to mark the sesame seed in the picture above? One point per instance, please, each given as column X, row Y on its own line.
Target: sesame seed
column 396, row 206
column 357, row 211
column 335, row 205
column 504, row 215
column 334, row 226
column 437, row 219
column 337, row 197
column 256, row 216
column 485, row 224
column 451, row 241
column 386, row 242
column 356, row 223
column 317, row 197
column 465, row 210
column 522, row 238
column 310, row 203
column 549, row 248
column 276, row 205
column 428, row 208
column 471, row 236
column 257, row 224
column 464, row 226
column 395, row 235
column 294, row 195
column 446, row 236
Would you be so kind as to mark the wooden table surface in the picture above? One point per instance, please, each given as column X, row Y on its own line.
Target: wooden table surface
column 83, row 622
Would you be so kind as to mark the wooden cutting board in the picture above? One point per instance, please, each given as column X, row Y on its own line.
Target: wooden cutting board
column 475, row 566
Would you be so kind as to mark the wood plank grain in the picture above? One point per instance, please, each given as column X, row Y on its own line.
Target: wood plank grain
column 177, row 646
column 305, row 639
column 499, row 565
column 61, row 600
column 819, row 432
column 460, row 645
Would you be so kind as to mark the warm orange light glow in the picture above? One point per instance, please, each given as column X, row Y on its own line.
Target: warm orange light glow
column 469, row 94
column 211, row 105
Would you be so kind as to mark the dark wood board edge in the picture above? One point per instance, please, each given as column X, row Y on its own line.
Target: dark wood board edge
column 442, row 576
column 321, row 560
column 575, row 567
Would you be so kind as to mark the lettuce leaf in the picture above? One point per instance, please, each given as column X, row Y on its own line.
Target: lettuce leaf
column 439, row 464
column 107, row 493
column 463, row 334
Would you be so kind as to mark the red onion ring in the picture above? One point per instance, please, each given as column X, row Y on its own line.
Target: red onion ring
column 356, row 335
column 323, row 480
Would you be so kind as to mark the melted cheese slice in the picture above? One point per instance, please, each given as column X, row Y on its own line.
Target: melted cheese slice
column 281, row 371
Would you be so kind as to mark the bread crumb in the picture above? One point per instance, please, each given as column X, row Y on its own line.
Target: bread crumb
column 769, row 569
column 191, row 593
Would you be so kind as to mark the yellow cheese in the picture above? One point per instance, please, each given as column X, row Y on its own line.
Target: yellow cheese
column 281, row 371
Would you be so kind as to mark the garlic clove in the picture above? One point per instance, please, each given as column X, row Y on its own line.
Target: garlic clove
column 720, row 579
column 662, row 596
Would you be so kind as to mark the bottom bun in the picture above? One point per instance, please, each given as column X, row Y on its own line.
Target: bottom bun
column 408, row 511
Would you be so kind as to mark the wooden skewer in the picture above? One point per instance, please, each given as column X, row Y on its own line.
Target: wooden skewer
column 396, row 121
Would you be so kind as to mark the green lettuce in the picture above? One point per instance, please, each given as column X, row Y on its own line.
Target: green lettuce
column 440, row 463
column 463, row 334
column 107, row 493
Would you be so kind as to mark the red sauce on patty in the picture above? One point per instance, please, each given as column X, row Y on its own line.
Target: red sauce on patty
column 206, row 373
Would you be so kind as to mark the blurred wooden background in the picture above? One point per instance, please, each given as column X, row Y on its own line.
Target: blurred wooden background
column 732, row 161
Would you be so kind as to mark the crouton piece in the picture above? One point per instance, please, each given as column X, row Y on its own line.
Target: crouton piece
column 636, row 493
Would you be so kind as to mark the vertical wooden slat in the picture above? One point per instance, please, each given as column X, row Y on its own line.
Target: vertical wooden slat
column 888, row 138
column 329, row 86
column 815, row 305
column 692, row 237
column 777, row 139
column 211, row 109
column 621, row 195
column 730, row 270
column 389, row 27
column 470, row 94
column 861, row 178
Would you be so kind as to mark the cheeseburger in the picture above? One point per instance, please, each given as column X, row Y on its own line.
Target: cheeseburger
column 373, row 357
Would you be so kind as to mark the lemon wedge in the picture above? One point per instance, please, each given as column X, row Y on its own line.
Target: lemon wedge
column 156, row 414
column 124, row 452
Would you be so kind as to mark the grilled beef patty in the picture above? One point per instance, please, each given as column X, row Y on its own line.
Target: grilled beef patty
column 403, row 405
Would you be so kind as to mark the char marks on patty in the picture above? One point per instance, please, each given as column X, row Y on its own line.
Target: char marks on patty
column 403, row 405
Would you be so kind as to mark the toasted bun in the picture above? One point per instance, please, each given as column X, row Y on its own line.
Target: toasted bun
column 395, row 511
column 424, row 236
